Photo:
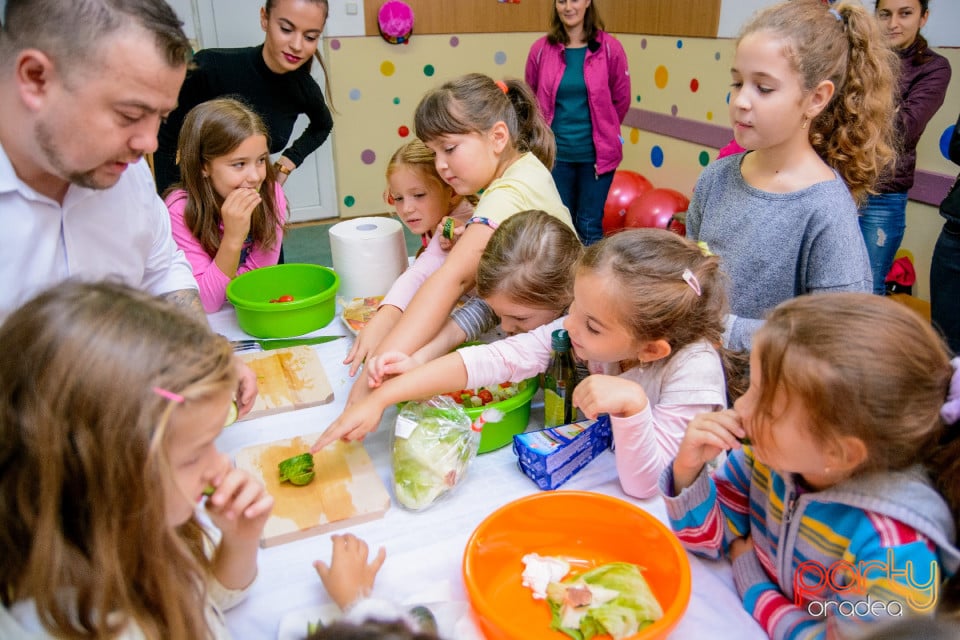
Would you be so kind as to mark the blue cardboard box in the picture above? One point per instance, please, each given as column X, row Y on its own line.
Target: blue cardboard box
column 550, row 457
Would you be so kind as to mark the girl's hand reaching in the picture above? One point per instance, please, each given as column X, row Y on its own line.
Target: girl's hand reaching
column 598, row 394
column 356, row 421
column 349, row 577
column 235, row 212
column 371, row 336
column 387, row 365
column 708, row 434
column 239, row 506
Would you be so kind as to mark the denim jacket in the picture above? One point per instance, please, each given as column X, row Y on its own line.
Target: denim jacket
column 608, row 90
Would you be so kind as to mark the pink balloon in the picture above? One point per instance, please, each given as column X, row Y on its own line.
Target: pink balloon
column 626, row 187
column 655, row 208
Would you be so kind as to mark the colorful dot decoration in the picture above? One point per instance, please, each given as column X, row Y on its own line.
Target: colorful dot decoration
column 454, row 41
column 945, row 141
column 500, row 57
column 660, row 77
column 355, row 94
column 674, row 110
column 709, row 115
column 403, row 131
column 396, row 100
column 694, row 85
column 335, row 44
column 704, row 158
column 634, row 136
column 428, row 70
column 368, row 156
column 387, row 68
column 679, row 44
column 349, row 201
column 656, row 156
column 643, row 43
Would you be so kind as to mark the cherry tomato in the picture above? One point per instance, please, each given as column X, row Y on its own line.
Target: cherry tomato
column 274, row 301
column 285, row 298
column 485, row 395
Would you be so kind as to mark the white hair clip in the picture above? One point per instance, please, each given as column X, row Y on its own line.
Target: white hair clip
column 691, row 280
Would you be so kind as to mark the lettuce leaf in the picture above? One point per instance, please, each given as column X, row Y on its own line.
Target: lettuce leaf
column 630, row 610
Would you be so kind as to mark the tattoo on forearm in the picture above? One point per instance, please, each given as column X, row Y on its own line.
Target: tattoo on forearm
column 187, row 299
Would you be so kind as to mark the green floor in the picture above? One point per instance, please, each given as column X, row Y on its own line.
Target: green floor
column 311, row 243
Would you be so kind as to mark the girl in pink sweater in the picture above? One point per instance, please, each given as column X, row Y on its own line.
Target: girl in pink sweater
column 227, row 213
column 647, row 312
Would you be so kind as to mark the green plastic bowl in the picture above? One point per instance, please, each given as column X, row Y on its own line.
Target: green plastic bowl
column 312, row 286
column 516, row 417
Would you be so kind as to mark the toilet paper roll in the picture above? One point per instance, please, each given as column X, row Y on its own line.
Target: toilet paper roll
column 368, row 255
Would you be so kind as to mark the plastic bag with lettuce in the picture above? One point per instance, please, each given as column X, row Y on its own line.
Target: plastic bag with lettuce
column 433, row 444
column 611, row 599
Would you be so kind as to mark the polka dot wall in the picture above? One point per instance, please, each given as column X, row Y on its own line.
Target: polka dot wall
column 687, row 79
column 376, row 88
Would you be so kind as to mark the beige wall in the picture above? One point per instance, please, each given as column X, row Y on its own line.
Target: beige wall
column 376, row 87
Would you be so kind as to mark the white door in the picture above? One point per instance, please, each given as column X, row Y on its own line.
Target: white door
column 311, row 189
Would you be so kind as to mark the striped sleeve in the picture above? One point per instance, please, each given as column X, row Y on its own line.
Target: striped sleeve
column 475, row 318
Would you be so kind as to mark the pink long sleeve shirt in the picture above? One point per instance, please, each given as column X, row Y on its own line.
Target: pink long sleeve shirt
column 404, row 288
column 688, row 382
column 211, row 280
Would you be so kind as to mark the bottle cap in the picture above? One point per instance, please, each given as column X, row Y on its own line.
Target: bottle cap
column 560, row 340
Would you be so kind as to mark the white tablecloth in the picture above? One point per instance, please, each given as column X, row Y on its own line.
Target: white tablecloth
column 425, row 549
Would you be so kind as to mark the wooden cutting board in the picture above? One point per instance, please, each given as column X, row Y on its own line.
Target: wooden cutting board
column 345, row 491
column 287, row 379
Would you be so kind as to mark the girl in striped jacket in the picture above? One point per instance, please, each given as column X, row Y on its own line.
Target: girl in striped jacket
column 837, row 500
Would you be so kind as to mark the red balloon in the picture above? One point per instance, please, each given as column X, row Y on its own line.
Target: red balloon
column 626, row 187
column 655, row 208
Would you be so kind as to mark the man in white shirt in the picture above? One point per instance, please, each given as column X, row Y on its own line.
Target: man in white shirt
column 84, row 85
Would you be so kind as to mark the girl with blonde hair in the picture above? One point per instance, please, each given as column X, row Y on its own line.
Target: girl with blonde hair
column 112, row 403
column 647, row 310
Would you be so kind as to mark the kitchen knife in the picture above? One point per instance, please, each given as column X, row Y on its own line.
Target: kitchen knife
column 268, row 344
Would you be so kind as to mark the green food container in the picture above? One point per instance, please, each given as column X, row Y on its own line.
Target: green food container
column 516, row 417
column 312, row 286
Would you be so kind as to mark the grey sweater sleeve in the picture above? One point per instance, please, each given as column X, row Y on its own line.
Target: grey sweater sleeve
column 475, row 318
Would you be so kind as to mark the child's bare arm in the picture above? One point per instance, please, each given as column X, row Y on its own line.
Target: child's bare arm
column 384, row 366
column 360, row 418
column 431, row 305
column 372, row 335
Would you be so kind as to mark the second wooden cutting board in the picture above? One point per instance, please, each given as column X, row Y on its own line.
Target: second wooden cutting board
column 287, row 379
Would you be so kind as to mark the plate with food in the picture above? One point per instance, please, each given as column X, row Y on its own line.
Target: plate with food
column 358, row 312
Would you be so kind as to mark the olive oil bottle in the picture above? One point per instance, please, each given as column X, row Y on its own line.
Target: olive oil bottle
column 558, row 382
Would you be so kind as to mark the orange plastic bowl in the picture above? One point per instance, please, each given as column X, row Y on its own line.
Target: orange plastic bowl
column 590, row 527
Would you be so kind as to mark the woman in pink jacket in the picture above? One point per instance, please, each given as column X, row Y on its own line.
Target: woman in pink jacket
column 579, row 74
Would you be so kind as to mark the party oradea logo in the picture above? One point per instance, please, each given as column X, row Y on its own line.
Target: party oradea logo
column 845, row 589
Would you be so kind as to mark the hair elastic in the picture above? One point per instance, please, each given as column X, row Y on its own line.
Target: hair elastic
column 950, row 412
column 691, row 280
column 836, row 14
column 169, row 395
column 503, row 86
